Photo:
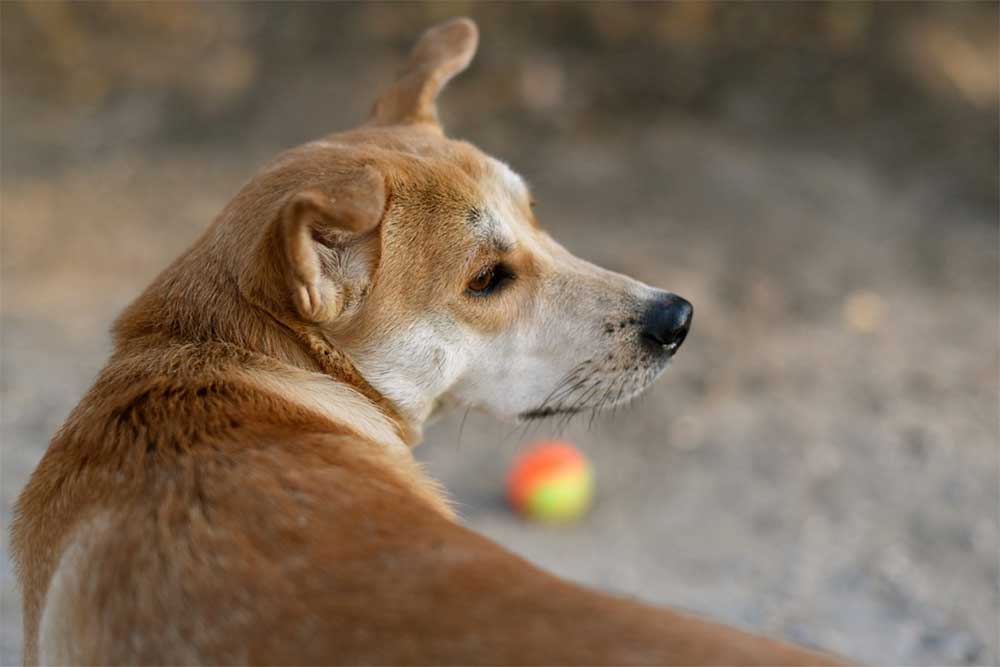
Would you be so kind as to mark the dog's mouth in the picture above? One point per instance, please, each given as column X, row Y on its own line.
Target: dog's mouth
column 543, row 412
column 588, row 388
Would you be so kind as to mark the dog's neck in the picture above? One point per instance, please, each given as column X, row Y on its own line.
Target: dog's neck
column 334, row 363
column 310, row 369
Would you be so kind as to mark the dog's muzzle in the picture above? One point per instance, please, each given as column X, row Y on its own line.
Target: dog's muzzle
column 666, row 323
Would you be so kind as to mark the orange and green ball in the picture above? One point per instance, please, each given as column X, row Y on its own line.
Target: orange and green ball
column 551, row 481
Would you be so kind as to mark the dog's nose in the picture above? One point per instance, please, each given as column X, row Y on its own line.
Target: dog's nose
column 667, row 322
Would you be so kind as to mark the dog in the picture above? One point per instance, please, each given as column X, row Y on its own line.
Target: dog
column 237, row 487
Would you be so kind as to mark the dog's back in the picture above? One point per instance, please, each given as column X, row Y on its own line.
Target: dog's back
column 196, row 529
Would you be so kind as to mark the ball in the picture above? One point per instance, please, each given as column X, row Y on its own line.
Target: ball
column 551, row 481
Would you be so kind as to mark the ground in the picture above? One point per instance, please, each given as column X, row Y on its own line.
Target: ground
column 820, row 462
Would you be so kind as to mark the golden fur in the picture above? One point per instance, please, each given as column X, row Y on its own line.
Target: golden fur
column 237, row 486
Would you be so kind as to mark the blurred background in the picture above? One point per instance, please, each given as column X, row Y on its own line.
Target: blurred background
column 820, row 179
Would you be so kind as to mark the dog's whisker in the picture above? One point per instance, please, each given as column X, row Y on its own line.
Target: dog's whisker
column 461, row 427
column 614, row 407
column 607, row 392
column 561, row 400
column 585, row 398
column 570, row 377
column 564, row 389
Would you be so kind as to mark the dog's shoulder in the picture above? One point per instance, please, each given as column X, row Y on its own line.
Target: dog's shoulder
column 151, row 412
column 168, row 436
column 288, row 517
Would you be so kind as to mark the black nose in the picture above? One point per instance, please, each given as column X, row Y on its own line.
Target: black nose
column 666, row 322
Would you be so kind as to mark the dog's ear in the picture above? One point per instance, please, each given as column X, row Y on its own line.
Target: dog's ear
column 316, row 235
column 440, row 54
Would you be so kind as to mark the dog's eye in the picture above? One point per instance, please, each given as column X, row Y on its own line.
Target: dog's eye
column 487, row 280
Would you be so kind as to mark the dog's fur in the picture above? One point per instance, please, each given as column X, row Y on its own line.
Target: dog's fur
column 237, row 486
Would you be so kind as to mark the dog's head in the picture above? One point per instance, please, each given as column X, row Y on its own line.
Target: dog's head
column 420, row 258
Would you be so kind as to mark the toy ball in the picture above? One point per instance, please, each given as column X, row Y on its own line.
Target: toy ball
column 551, row 481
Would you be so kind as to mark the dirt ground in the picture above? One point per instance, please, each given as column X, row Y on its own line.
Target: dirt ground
column 821, row 460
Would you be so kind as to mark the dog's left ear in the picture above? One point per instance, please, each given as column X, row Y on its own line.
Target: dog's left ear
column 317, row 236
column 440, row 54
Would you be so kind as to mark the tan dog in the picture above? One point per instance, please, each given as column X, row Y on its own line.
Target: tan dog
column 237, row 486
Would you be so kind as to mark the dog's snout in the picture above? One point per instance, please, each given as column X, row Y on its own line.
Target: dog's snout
column 667, row 322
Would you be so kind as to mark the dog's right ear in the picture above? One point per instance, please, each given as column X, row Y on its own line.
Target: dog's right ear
column 440, row 54
column 317, row 234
